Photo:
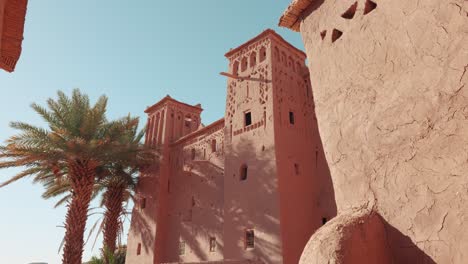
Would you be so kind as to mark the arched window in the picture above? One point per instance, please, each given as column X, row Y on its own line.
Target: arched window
column 263, row 54
column 193, row 154
column 213, row 145
column 243, row 64
column 244, row 169
column 253, row 59
column 235, row 68
column 283, row 57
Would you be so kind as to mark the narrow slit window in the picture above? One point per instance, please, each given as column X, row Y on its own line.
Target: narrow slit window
column 249, row 239
column 212, row 244
column 244, row 169
column 138, row 249
column 181, row 248
column 296, row 168
column 193, row 154
column 263, row 54
column 143, row 203
column 291, row 118
column 213, row 145
column 248, row 118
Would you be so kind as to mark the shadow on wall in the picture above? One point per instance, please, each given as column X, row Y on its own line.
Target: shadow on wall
column 402, row 249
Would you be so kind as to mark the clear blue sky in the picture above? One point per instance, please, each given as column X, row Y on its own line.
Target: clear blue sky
column 135, row 52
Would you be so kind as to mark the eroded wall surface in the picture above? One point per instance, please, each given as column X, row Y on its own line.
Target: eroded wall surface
column 390, row 88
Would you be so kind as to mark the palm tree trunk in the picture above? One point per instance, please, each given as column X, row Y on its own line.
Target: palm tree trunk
column 113, row 199
column 82, row 180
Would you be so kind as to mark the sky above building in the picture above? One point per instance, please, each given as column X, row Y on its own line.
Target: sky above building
column 135, row 52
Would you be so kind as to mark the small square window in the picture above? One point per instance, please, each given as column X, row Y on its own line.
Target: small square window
column 212, row 244
column 248, row 119
column 291, row 118
column 249, row 239
column 138, row 249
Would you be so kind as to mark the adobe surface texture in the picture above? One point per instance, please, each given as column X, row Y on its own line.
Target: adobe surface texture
column 391, row 95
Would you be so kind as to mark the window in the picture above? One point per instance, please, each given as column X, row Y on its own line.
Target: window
column 204, row 153
column 169, row 186
column 212, row 244
column 143, row 203
column 193, row 154
column 181, row 248
column 247, row 119
column 336, row 34
column 324, row 220
column 291, row 118
column 243, row 64
column 369, row 7
column 213, row 145
column 296, row 168
column 253, row 59
column 243, row 172
column 249, row 239
column 235, row 68
column 139, row 249
column 349, row 14
column 263, row 54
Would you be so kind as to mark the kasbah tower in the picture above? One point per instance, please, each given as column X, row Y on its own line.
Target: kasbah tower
column 251, row 187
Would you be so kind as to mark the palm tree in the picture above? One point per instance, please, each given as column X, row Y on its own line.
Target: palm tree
column 76, row 143
column 116, row 181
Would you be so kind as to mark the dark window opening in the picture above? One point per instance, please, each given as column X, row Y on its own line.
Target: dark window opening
column 296, row 168
column 369, row 7
column 193, row 154
column 212, row 244
column 323, row 34
column 243, row 64
column 249, row 239
column 263, row 54
column 349, row 14
column 244, row 172
column 291, row 118
column 213, row 145
column 235, row 68
column 182, row 248
column 336, row 34
column 143, row 203
column 253, row 59
column 138, row 249
column 204, row 153
column 324, row 220
column 248, row 118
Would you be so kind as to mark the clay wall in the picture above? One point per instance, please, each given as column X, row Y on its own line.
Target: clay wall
column 195, row 197
column 251, row 203
column 305, row 189
column 389, row 81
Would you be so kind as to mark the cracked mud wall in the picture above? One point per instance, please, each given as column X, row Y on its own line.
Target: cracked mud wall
column 391, row 95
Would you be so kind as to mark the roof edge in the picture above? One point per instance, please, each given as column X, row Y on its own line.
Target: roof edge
column 168, row 98
column 266, row 32
column 291, row 16
column 198, row 132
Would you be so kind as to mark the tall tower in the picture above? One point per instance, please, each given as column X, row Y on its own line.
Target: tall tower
column 273, row 174
column 168, row 121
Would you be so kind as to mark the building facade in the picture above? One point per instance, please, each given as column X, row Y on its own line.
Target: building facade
column 250, row 187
